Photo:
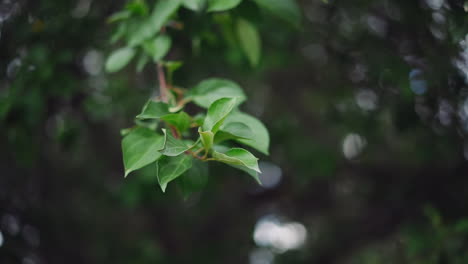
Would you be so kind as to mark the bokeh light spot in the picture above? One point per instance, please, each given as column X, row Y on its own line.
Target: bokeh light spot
column 353, row 144
column 281, row 237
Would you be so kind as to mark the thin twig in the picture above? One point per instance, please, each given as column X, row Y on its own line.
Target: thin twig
column 162, row 83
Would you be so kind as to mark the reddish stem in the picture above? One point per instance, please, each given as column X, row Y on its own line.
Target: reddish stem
column 163, row 90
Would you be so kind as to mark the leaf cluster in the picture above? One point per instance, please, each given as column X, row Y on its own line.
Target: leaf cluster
column 172, row 139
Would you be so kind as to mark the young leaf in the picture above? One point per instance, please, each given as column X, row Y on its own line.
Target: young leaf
column 287, row 10
column 234, row 130
column 259, row 139
column 158, row 47
column 160, row 15
column 180, row 120
column 239, row 158
column 210, row 90
column 217, row 112
column 153, row 110
column 222, row 5
column 119, row 59
column 194, row 5
column 206, row 139
column 249, row 40
column 173, row 146
column 169, row 168
column 141, row 147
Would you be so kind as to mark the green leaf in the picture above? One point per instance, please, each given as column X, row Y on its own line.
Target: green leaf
column 158, row 47
column 169, row 168
column 210, row 90
column 119, row 59
column 206, row 139
column 137, row 7
column 180, row 120
column 141, row 147
column 160, row 15
column 141, row 62
column 171, row 67
column 122, row 15
column 217, row 113
column 234, row 130
column 260, row 139
column 199, row 118
column 222, row 5
column 173, row 146
column 239, row 158
column 119, row 32
column 194, row 179
column 250, row 40
column 153, row 110
column 287, row 10
column 125, row 131
column 195, row 5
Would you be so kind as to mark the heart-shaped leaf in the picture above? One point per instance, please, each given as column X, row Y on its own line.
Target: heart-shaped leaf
column 173, row 146
column 153, row 110
column 169, row 168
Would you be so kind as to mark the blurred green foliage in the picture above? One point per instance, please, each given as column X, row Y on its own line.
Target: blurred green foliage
column 365, row 102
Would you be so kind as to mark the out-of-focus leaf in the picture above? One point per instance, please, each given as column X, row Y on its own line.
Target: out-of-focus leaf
column 158, row 47
column 119, row 59
column 161, row 13
column 169, row 168
column 249, row 40
column 141, row 147
column 122, row 15
column 217, row 113
column 210, row 90
column 119, row 33
column 137, row 7
column 143, row 59
column 222, row 5
column 195, row 5
column 287, row 10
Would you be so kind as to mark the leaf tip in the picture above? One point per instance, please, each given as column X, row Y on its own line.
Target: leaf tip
column 163, row 187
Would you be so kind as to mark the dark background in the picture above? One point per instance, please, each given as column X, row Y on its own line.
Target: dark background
column 367, row 108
